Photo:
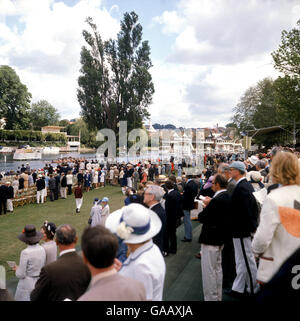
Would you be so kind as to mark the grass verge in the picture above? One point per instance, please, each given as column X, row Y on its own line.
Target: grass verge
column 61, row 211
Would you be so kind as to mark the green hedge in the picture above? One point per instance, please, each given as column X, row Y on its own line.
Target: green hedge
column 31, row 136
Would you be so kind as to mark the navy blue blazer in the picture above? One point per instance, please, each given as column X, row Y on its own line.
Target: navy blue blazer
column 244, row 210
column 214, row 218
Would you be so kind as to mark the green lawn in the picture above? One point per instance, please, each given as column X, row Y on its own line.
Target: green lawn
column 60, row 212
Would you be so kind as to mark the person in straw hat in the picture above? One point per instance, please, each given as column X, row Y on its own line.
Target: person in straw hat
column 32, row 260
column 137, row 225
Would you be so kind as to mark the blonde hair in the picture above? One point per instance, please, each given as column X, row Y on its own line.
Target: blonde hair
column 285, row 169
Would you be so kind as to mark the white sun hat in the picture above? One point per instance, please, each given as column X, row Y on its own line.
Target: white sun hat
column 253, row 159
column 134, row 223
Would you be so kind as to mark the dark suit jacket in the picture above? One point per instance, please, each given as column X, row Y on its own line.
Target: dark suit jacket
column 10, row 192
column 3, row 192
column 244, row 211
column 40, row 184
column 173, row 207
column 158, row 239
column 68, row 277
column 215, row 219
column 189, row 194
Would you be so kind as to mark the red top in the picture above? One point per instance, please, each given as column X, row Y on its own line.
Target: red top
column 78, row 192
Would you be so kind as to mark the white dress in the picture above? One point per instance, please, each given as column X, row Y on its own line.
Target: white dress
column 32, row 260
column 96, row 215
column 95, row 177
column 104, row 214
column 102, row 177
column 111, row 174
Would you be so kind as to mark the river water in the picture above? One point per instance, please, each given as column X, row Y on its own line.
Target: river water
column 7, row 162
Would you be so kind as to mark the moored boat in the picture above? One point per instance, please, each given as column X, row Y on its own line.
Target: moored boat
column 4, row 149
column 27, row 153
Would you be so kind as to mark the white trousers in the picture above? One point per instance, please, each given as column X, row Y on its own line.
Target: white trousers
column 212, row 275
column 9, row 205
column 246, row 268
column 40, row 195
column 45, row 194
column 129, row 182
column 63, row 192
column 79, row 202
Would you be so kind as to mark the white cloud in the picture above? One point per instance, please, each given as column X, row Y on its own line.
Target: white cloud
column 45, row 50
column 171, row 22
column 227, row 32
column 232, row 41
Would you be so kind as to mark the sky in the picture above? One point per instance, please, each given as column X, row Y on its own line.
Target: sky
column 205, row 53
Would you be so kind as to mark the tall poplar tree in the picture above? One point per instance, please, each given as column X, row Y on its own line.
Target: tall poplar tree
column 115, row 83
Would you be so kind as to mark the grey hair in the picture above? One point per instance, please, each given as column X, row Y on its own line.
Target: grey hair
column 156, row 190
column 223, row 167
column 275, row 150
column 65, row 234
column 261, row 164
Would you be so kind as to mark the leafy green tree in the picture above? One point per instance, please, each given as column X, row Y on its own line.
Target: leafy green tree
column 245, row 109
column 267, row 111
column 287, row 56
column 64, row 123
column 115, row 83
column 258, row 107
column 288, row 99
column 42, row 114
column 14, row 99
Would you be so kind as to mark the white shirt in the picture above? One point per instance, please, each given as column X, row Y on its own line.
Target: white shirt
column 150, row 207
column 146, row 264
column 69, row 179
column 103, row 275
column 240, row 179
column 66, row 251
column 218, row 192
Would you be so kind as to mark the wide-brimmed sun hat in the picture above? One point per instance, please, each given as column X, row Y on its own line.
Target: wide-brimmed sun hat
column 255, row 176
column 30, row 234
column 253, row 159
column 134, row 223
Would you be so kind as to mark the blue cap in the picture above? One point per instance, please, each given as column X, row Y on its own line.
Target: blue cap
column 96, row 199
column 238, row 165
column 105, row 199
